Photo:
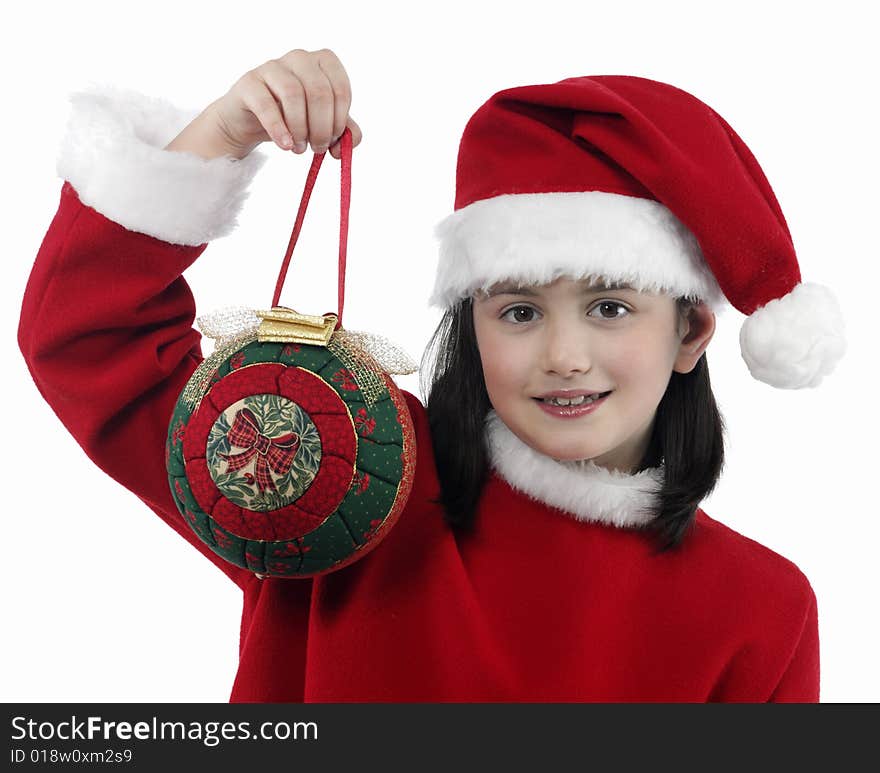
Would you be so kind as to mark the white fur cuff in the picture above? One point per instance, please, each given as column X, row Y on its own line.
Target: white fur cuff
column 113, row 154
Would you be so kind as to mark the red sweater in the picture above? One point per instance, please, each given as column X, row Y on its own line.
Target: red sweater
column 533, row 606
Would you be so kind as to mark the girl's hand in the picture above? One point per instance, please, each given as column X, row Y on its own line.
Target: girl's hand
column 303, row 96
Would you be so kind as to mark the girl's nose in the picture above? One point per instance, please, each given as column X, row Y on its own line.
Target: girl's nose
column 567, row 350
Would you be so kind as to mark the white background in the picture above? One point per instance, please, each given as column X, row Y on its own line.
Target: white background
column 103, row 602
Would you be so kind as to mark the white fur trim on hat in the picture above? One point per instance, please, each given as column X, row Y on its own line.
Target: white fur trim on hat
column 113, row 155
column 579, row 488
column 794, row 341
column 537, row 237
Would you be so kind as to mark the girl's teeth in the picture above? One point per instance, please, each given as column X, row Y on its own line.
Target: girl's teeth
column 576, row 401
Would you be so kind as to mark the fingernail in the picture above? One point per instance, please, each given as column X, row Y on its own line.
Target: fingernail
column 300, row 147
column 286, row 140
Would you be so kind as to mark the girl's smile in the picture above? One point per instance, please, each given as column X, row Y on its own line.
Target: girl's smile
column 584, row 407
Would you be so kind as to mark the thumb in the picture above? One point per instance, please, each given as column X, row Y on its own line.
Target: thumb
column 356, row 135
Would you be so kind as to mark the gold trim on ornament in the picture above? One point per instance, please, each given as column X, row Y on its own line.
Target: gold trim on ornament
column 285, row 325
column 200, row 380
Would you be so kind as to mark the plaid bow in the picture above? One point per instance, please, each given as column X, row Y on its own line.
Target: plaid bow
column 277, row 453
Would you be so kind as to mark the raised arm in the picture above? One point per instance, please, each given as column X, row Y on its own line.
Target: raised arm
column 106, row 319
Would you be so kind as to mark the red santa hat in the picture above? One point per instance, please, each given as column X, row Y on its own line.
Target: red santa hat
column 628, row 179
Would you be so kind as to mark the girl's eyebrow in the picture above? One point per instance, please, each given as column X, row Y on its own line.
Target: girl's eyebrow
column 514, row 289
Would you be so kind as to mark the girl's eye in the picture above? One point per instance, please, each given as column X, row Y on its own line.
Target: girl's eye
column 612, row 304
column 518, row 308
column 600, row 306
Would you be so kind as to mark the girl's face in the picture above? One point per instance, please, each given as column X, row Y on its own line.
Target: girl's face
column 571, row 335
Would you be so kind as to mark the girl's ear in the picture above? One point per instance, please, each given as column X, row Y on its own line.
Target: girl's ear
column 700, row 329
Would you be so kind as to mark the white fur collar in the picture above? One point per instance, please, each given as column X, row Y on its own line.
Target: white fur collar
column 580, row 488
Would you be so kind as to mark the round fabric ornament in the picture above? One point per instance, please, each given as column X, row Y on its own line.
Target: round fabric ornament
column 291, row 451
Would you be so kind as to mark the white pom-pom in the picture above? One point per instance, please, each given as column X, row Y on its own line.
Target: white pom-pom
column 794, row 341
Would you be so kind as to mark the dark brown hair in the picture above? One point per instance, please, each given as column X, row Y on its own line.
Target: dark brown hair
column 687, row 436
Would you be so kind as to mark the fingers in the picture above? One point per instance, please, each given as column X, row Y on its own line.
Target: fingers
column 335, row 73
column 312, row 93
column 289, row 91
column 256, row 96
column 336, row 148
column 320, row 100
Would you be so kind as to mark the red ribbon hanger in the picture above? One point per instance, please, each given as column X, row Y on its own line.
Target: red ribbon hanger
column 345, row 192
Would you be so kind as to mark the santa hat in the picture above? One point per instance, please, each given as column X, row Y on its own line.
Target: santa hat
column 629, row 179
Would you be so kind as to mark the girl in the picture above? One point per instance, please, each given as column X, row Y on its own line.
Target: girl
column 548, row 551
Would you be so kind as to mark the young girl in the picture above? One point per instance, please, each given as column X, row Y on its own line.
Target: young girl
column 547, row 552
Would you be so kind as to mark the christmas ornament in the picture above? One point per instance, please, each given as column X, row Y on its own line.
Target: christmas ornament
column 291, row 451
